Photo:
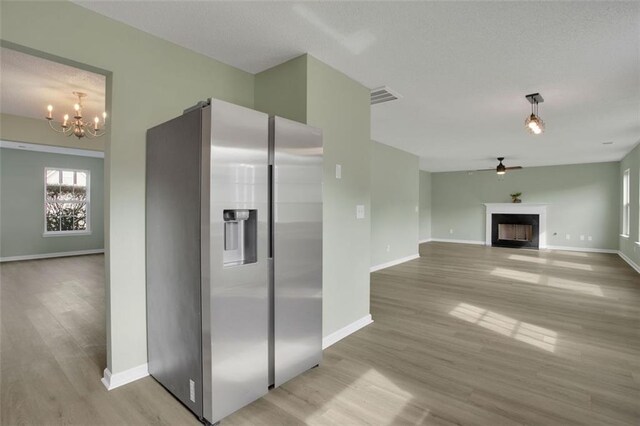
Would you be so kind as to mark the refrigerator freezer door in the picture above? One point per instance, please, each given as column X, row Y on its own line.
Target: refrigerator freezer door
column 174, row 327
column 235, row 280
column 297, row 248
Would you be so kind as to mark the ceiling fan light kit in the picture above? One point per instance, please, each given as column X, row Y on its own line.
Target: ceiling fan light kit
column 534, row 123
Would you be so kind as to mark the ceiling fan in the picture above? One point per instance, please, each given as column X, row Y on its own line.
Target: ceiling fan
column 502, row 169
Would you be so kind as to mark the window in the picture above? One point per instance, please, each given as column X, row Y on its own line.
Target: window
column 625, row 203
column 66, row 202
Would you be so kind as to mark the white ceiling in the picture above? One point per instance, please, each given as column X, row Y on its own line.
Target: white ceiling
column 30, row 83
column 464, row 68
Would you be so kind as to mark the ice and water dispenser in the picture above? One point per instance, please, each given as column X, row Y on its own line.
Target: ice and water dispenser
column 240, row 237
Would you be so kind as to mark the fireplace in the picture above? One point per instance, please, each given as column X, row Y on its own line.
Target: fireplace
column 530, row 214
column 515, row 230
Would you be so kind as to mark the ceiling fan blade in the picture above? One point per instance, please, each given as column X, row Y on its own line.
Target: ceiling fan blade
column 514, row 168
column 485, row 170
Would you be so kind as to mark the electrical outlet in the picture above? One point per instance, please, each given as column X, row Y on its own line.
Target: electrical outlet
column 568, row 236
column 338, row 171
column 581, row 237
column 451, row 231
column 388, row 248
column 360, row 211
column 590, row 238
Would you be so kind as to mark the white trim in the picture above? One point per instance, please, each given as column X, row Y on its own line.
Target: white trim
column 624, row 236
column 50, row 255
column 345, row 331
column 393, row 262
column 47, row 234
column 112, row 381
column 424, row 241
column 518, row 208
column 51, row 149
column 450, row 240
column 586, row 249
column 631, row 263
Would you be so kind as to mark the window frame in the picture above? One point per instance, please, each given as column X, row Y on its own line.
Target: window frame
column 626, row 203
column 87, row 202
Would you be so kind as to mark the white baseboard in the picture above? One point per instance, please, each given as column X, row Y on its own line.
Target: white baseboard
column 447, row 240
column 424, row 241
column 112, row 381
column 345, row 331
column 631, row 263
column 50, row 255
column 393, row 262
column 585, row 249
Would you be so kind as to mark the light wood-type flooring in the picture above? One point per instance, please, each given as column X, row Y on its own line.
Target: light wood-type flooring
column 464, row 335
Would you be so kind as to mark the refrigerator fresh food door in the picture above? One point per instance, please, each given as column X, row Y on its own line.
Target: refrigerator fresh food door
column 234, row 259
column 297, row 247
column 174, row 329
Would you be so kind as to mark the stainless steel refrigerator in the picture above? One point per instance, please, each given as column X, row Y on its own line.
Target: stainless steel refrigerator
column 233, row 255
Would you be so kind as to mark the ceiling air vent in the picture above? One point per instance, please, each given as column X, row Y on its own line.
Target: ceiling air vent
column 383, row 94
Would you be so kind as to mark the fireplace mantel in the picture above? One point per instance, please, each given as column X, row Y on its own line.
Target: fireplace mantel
column 517, row 208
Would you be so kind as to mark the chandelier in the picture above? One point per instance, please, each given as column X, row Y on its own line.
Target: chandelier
column 77, row 126
column 534, row 123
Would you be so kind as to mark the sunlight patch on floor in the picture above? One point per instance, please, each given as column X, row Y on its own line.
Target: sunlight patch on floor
column 572, row 265
column 512, row 274
column 380, row 398
column 578, row 286
column 534, row 335
column 519, row 257
column 574, row 253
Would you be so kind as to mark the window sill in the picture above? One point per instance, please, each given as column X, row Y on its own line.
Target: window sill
column 624, row 236
column 65, row 233
column 637, row 243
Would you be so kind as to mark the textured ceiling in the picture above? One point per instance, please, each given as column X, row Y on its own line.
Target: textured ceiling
column 464, row 68
column 29, row 84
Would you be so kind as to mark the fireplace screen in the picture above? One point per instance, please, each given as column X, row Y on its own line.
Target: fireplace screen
column 515, row 232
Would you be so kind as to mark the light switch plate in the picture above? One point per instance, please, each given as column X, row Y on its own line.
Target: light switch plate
column 338, row 171
column 359, row 211
column 192, row 391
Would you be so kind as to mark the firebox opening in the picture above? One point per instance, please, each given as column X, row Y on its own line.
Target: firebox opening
column 514, row 232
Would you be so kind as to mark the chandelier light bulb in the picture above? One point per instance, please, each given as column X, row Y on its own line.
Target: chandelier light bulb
column 49, row 109
column 76, row 107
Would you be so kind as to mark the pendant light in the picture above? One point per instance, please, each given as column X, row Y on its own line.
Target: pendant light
column 534, row 123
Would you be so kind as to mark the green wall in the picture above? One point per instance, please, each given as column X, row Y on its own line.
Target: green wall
column 282, row 90
column 628, row 246
column 25, row 129
column 153, row 80
column 425, row 206
column 340, row 107
column 395, row 194
column 22, row 204
column 583, row 200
